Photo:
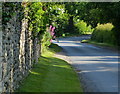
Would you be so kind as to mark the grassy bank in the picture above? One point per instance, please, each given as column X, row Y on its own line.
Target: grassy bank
column 101, row 44
column 51, row 75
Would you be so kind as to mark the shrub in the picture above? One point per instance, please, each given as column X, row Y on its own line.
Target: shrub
column 46, row 41
column 47, row 37
column 104, row 33
column 82, row 28
column 105, row 27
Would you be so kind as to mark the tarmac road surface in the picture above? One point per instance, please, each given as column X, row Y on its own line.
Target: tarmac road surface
column 96, row 66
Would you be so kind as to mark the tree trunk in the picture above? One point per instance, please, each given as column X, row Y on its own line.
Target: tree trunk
column 71, row 25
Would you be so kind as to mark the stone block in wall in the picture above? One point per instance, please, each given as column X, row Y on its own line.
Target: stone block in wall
column 0, row 43
column 1, row 87
column 1, row 69
column 1, row 58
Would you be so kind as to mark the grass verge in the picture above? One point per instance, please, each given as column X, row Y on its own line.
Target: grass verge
column 73, row 35
column 51, row 74
column 101, row 44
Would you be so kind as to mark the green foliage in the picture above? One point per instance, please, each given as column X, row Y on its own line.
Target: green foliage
column 62, row 15
column 83, row 28
column 58, row 17
column 10, row 9
column 103, row 33
column 37, row 20
column 42, row 15
column 72, row 10
column 102, row 12
column 46, row 41
column 105, row 27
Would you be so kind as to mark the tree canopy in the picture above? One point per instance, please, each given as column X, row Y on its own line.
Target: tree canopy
column 65, row 16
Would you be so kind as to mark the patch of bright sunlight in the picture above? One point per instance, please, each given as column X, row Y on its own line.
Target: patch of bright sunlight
column 36, row 73
column 61, row 66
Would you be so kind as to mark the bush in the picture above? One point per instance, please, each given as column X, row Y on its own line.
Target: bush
column 103, row 33
column 82, row 28
column 46, row 40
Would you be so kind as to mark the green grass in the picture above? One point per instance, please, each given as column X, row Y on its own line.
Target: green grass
column 51, row 74
column 100, row 44
column 53, row 48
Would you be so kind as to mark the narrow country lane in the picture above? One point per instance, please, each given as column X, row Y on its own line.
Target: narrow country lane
column 97, row 67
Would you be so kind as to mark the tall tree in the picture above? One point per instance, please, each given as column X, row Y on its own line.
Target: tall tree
column 71, row 9
column 103, row 12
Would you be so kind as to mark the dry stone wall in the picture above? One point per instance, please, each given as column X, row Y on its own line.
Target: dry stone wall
column 0, row 47
column 18, row 51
